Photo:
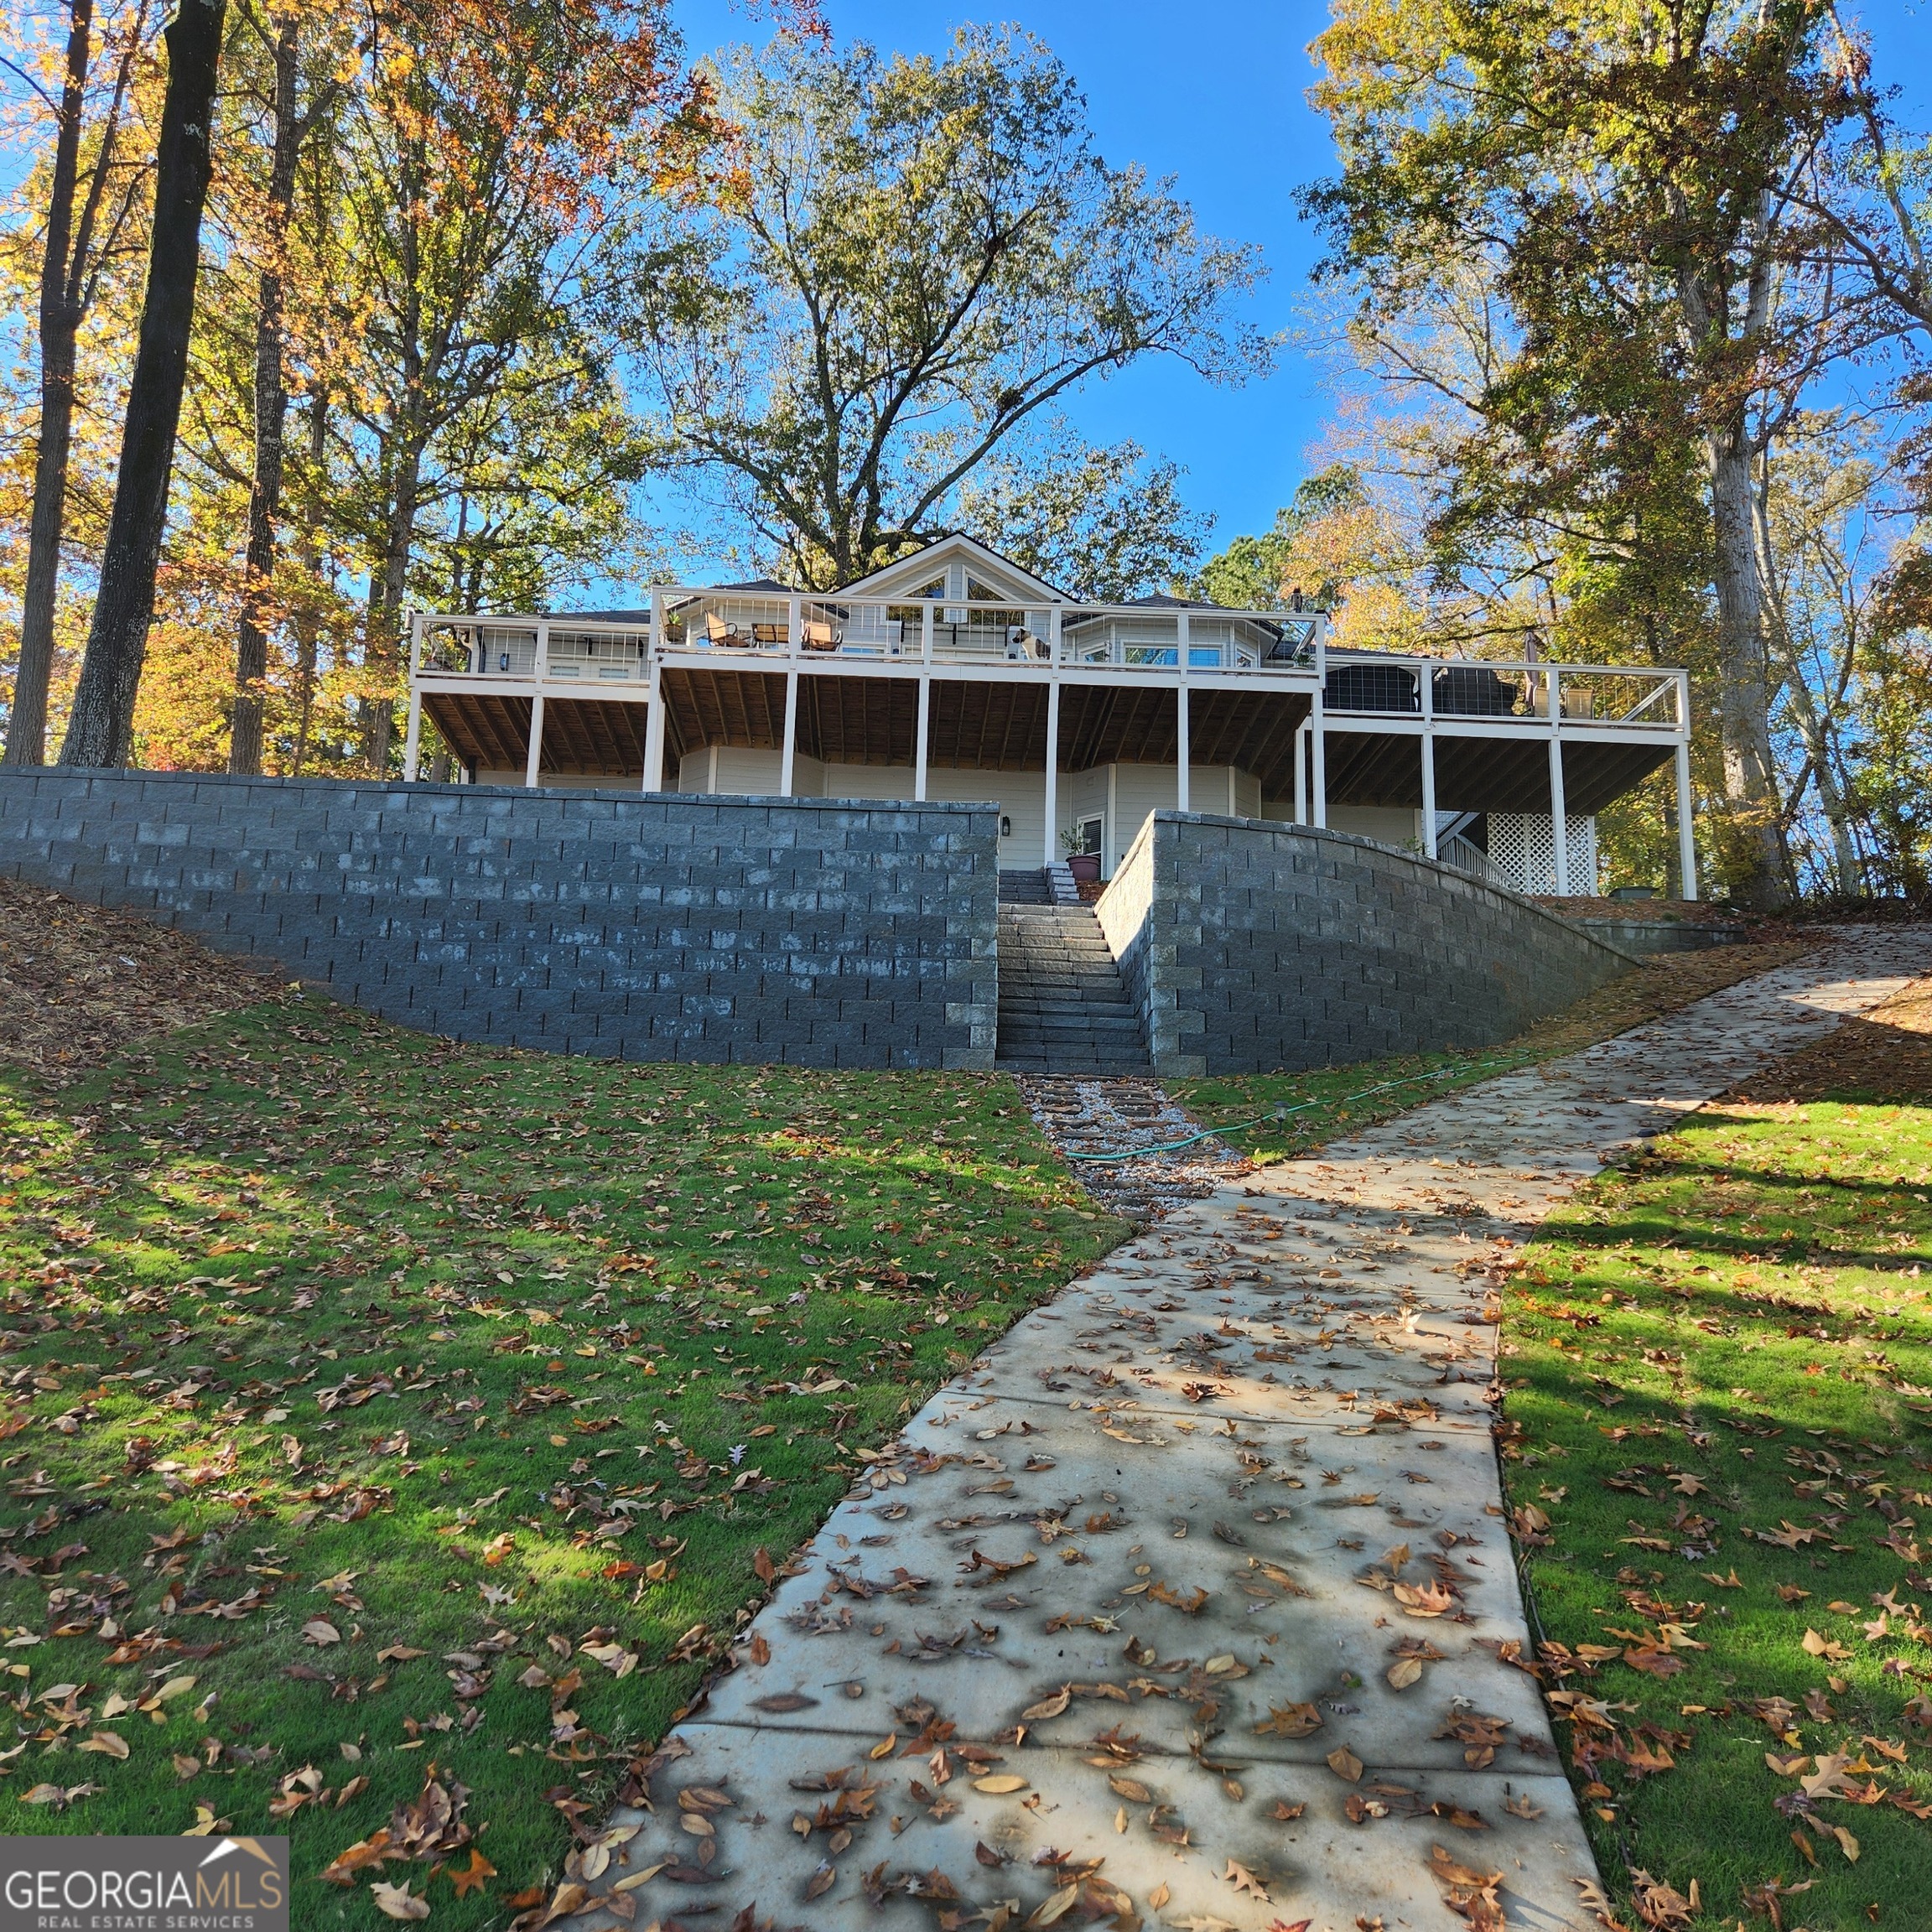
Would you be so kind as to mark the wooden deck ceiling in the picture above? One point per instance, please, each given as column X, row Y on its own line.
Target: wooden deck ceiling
column 982, row 725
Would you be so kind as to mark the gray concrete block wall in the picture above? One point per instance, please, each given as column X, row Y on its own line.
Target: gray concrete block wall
column 811, row 931
column 1254, row 947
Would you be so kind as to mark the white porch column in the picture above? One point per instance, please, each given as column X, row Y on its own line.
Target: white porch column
column 1050, row 838
column 1180, row 735
column 1426, row 678
column 1559, row 816
column 1317, row 733
column 412, row 740
column 794, row 613
column 1181, row 731
column 923, row 739
column 533, row 763
column 787, row 756
column 1686, row 827
column 654, row 727
column 1301, row 774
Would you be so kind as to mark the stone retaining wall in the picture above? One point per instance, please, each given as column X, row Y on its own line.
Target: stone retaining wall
column 1252, row 947
column 1660, row 935
column 806, row 931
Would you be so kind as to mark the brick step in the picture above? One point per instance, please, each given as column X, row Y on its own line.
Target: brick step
column 1102, row 1013
column 1063, row 1007
column 1083, row 1026
column 1095, row 1069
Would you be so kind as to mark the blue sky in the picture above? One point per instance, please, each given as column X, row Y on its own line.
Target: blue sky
column 1214, row 93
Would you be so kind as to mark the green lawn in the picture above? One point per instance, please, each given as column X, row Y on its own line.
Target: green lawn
column 387, row 1415
column 1718, row 1451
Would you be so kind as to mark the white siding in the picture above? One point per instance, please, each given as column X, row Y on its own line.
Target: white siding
column 889, row 783
column 747, row 772
column 1394, row 825
column 1020, row 795
column 555, row 781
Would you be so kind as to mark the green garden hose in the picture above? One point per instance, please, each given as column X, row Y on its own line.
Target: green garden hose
column 1284, row 1113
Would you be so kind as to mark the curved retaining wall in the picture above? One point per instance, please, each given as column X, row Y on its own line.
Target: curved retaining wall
column 1251, row 945
column 806, row 931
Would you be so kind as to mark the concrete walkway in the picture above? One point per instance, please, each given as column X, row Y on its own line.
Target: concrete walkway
column 1186, row 1604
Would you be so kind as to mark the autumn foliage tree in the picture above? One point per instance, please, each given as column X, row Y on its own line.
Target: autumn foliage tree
column 1629, row 179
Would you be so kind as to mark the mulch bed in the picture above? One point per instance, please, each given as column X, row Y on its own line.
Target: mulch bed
column 78, row 983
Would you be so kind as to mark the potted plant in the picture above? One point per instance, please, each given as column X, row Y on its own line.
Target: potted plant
column 1084, row 865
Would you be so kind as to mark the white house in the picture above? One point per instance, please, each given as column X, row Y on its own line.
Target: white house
column 954, row 674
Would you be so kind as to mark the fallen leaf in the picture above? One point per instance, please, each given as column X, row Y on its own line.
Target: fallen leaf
column 398, row 1902
column 472, row 1880
column 1344, row 1764
column 999, row 1784
column 321, row 1632
column 1291, row 1721
column 1054, row 1908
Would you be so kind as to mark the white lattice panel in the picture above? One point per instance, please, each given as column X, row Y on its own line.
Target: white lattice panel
column 1522, row 851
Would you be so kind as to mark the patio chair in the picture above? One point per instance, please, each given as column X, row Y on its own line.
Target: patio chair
column 819, row 636
column 767, row 633
column 718, row 632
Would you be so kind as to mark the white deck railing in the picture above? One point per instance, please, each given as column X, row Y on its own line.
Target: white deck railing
column 756, row 631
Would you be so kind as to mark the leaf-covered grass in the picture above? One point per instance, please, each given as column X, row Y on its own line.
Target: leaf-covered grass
column 1326, row 1101
column 376, row 1405
column 1718, row 1457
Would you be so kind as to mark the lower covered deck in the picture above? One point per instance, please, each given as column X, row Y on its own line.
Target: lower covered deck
column 1076, row 764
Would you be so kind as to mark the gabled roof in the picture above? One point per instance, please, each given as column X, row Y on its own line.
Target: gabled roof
column 906, row 574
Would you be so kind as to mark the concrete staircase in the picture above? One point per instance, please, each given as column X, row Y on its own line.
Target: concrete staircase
column 1064, row 1008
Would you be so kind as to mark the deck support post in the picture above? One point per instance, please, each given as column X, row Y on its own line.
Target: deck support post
column 412, row 740
column 1559, row 813
column 1426, row 680
column 533, row 764
column 1182, row 734
column 1300, row 774
column 923, row 739
column 1052, row 815
column 1318, row 735
column 1686, row 828
column 654, row 726
column 787, row 758
column 794, row 643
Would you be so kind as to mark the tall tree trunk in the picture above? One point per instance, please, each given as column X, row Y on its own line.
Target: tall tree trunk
column 100, row 731
column 308, row 550
column 60, row 325
column 1743, row 680
column 271, row 414
column 387, row 593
